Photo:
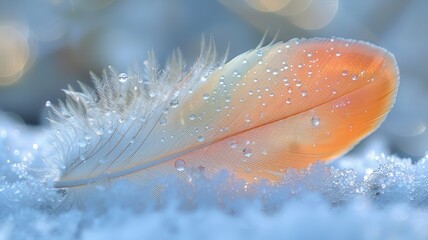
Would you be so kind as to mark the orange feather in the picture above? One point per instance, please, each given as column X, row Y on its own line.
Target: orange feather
column 278, row 107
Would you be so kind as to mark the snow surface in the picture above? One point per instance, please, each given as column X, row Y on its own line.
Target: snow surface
column 364, row 195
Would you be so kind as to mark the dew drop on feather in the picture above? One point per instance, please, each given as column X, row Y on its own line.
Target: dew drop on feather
column 247, row 152
column 192, row 117
column 81, row 143
column 180, row 165
column 162, row 121
column 233, row 144
column 304, row 93
column 174, row 103
column 123, row 77
column 315, row 121
column 102, row 181
column 205, row 96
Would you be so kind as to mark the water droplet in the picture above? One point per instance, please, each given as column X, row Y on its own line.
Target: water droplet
column 132, row 141
column 237, row 74
column 206, row 96
column 288, row 100
column 304, row 93
column 279, row 50
column 250, row 93
column 354, row 77
column 227, row 99
column 247, row 152
column 174, row 103
column 259, row 53
column 275, row 72
column 338, row 54
column 99, row 131
column 309, row 54
column 298, row 83
column 244, row 61
column 333, row 91
column 221, row 80
column 48, row 104
column 233, row 144
column 192, row 117
column 162, row 121
column 103, row 182
column 180, row 164
column 315, row 121
column 201, row 138
column 286, row 83
column 152, row 94
column 123, row 77
column 345, row 73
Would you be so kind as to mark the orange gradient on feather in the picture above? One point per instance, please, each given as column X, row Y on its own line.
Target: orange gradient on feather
column 282, row 106
column 289, row 105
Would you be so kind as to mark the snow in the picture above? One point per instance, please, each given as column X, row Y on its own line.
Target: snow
column 365, row 195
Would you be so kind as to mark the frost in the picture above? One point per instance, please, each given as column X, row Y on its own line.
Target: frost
column 367, row 195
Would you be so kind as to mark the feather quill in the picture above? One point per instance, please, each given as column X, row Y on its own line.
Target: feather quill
column 281, row 106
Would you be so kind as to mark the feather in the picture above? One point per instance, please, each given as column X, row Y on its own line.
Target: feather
column 281, row 106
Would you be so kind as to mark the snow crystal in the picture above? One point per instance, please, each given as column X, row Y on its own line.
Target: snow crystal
column 365, row 195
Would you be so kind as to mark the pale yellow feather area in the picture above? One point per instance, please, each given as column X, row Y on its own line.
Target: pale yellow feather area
column 337, row 93
column 278, row 107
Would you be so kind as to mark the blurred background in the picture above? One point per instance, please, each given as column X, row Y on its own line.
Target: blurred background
column 47, row 44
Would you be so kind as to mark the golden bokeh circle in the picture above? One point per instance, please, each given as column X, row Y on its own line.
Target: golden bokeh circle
column 267, row 5
column 14, row 54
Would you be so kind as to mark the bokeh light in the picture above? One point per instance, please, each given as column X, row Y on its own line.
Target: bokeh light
column 317, row 15
column 267, row 5
column 294, row 7
column 305, row 14
column 14, row 54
